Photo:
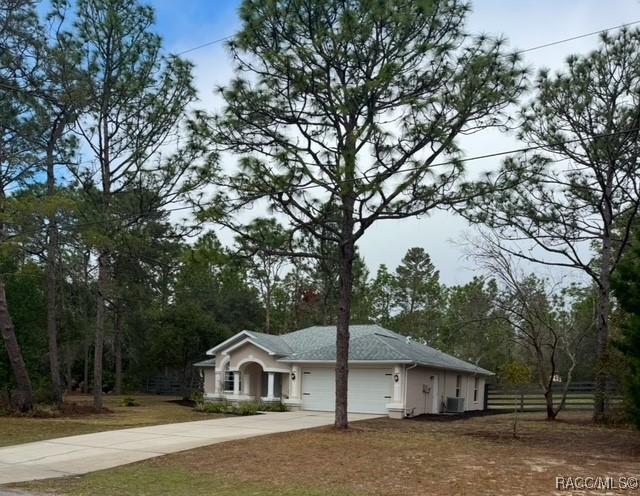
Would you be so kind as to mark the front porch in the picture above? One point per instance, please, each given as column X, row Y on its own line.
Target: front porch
column 250, row 382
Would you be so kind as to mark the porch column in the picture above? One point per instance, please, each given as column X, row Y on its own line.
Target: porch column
column 236, row 383
column 246, row 384
column 398, row 385
column 270, row 384
column 295, row 383
column 218, row 383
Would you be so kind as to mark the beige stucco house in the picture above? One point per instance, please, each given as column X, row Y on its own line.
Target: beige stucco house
column 388, row 373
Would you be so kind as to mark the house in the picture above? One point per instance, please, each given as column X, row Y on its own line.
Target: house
column 388, row 373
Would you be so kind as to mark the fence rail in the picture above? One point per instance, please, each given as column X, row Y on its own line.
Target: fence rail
column 580, row 396
column 171, row 386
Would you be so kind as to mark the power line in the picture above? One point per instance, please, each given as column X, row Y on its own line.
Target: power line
column 470, row 159
column 578, row 37
column 412, row 169
column 526, row 50
column 400, row 171
column 204, row 45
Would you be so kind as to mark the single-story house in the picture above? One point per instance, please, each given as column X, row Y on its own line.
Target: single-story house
column 388, row 373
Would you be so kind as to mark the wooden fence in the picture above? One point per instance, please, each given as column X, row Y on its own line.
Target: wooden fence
column 172, row 385
column 531, row 399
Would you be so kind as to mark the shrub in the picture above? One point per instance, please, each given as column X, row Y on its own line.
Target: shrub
column 45, row 410
column 273, row 407
column 246, row 409
column 197, row 397
column 216, row 407
column 129, row 401
column 243, row 409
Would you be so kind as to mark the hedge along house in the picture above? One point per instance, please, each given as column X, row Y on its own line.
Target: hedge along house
column 388, row 373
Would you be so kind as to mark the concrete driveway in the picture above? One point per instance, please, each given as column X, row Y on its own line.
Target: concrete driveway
column 76, row 455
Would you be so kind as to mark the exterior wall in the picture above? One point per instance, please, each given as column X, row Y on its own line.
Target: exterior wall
column 285, row 380
column 209, row 376
column 479, row 403
column 419, row 402
column 251, row 353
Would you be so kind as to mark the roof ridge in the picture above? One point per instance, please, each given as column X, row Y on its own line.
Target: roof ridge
column 385, row 343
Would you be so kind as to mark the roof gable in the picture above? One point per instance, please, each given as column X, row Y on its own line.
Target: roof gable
column 270, row 343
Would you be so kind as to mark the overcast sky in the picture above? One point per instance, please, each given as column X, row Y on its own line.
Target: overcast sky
column 526, row 23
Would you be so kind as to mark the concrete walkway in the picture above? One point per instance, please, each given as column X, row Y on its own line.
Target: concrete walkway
column 76, row 455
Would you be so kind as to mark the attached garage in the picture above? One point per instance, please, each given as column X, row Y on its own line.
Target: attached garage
column 370, row 389
column 389, row 374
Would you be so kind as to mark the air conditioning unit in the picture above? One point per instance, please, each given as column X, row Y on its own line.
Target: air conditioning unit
column 455, row 405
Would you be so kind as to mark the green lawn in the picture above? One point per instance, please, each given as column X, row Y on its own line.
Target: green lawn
column 152, row 410
column 147, row 480
column 381, row 457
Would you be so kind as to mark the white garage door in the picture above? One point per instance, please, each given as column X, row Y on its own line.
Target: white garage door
column 369, row 390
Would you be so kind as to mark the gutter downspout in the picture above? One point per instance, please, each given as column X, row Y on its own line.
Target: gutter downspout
column 406, row 380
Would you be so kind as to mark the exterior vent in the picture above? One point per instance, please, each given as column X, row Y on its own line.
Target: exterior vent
column 455, row 405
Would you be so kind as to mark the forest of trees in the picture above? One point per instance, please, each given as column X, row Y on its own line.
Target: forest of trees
column 340, row 116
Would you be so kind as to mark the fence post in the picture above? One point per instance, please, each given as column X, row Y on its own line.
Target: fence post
column 522, row 400
column 486, row 396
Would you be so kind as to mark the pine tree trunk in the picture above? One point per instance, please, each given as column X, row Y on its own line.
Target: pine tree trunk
column 103, row 286
column 267, row 315
column 602, row 319
column 52, row 320
column 602, row 342
column 23, row 397
column 117, row 352
column 85, row 375
column 68, row 372
column 346, row 256
column 87, row 339
column 52, row 273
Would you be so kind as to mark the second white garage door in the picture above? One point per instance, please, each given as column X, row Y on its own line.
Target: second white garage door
column 369, row 390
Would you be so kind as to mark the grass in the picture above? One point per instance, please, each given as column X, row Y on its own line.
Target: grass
column 475, row 456
column 150, row 410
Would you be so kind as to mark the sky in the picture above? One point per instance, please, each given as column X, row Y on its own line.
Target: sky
column 526, row 24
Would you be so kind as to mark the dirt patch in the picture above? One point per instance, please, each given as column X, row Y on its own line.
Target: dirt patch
column 390, row 457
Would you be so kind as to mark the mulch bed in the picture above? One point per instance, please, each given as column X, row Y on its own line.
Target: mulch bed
column 50, row 411
column 452, row 417
column 183, row 402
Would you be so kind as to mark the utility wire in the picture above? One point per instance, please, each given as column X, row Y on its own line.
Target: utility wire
column 449, row 162
column 204, row 45
column 578, row 37
column 526, row 50
column 400, row 171
column 469, row 159
column 224, row 38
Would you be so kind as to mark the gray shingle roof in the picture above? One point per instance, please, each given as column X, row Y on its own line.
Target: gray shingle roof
column 370, row 342
column 211, row 362
column 367, row 342
column 272, row 342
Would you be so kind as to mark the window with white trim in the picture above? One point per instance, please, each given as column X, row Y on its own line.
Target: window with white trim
column 458, row 385
column 476, row 388
column 228, row 380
